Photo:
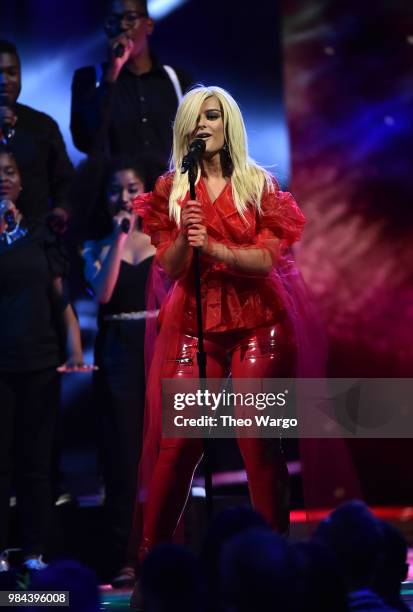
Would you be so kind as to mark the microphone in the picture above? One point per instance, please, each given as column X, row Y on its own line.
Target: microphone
column 7, row 215
column 9, row 220
column 125, row 225
column 196, row 148
column 119, row 50
column 13, row 229
column 112, row 31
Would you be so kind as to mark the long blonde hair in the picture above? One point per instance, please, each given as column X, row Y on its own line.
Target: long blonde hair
column 248, row 179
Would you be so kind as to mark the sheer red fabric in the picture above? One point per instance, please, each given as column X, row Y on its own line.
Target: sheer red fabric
column 233, row 301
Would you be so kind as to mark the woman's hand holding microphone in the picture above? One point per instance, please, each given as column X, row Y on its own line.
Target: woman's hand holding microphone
column 192, row 224
column 123, row 223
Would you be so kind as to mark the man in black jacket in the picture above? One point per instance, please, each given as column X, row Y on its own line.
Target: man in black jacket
column 127, row 106
column 37, row 145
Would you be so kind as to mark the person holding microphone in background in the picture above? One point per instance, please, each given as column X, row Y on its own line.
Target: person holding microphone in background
column 118, row 258
column 34, row 310
column 127, row 105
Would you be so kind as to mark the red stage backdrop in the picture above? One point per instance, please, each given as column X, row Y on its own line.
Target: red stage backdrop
column 349, row 100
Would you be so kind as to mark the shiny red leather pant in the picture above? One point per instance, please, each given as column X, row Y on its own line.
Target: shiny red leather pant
column 260, row 353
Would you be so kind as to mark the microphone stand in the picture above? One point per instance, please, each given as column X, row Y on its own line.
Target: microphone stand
column 201, row 355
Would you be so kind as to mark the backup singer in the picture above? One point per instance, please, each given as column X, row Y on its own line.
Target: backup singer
column 117, row 263
column 243, row 225
column 33, row 310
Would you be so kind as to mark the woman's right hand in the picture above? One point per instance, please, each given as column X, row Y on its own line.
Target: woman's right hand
column 5, row 206
column 120, row 226
column 191, row 214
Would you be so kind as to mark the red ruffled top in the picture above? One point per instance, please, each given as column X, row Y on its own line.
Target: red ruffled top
column 230, row 300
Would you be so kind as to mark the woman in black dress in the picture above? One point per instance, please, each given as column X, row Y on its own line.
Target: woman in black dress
column 33, row 310
column 117, row 265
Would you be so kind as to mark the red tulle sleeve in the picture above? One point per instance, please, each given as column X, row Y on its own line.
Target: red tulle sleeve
column 156, row 220
column 280, row 222
column 141, row 204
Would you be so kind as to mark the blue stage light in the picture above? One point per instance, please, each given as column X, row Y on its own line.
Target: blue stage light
column 160, row 8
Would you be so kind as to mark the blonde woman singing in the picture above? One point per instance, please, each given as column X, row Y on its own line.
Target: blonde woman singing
column 243, row 226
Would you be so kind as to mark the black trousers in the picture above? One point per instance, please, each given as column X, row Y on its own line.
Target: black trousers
column 29, row 404
column 119, row 390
